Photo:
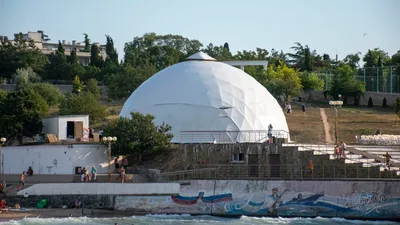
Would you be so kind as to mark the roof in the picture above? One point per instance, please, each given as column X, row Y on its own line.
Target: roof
column 201, row 56
column 67, row 116
column 199, row 95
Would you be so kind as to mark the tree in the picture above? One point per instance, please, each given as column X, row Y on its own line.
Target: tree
column 352, row 60
column 397, row 106
column 58, row 68
column 87, row 43
column 92, row 87
column 396, row 59
column 85, row 103
column 21, row 115
column 159, row 50
column 311, row 81
column 23, row 77
column 283, row 81
column 91, row 72
column 302, row 58
column 344, row 83
column 95, row 58
column 77, row 85
column 138, row 135
column 60, row 48
column 218, row 52
column 376, row 58
column 50, row 93
column 122, row 84
column 20, row 54
column 226, row 46
column 111, row 52
column 73, row 58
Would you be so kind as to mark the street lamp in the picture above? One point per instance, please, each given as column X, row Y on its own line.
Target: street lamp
column 336, row 105
column 2, row 141
column 109, row 141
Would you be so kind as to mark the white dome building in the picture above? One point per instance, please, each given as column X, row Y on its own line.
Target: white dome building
column 208, row 101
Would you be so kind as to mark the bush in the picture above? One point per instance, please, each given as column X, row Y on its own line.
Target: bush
column 370, row 103
column 397, row 106
column 384, row 103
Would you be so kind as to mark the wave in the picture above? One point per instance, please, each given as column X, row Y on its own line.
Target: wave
column 183, row 219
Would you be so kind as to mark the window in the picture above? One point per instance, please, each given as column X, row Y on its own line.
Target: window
column 238, row 157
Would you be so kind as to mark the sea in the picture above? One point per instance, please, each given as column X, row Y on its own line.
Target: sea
column 187, row 219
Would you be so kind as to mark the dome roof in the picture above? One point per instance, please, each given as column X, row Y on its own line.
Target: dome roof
column 208, row 101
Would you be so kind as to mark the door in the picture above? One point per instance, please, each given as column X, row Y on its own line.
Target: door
column 275, row 165
column 70, row 129
column 253, row 165
column 78, row 131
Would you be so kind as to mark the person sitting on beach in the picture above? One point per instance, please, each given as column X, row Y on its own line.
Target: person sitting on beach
column 30, row 171
column 78, row 203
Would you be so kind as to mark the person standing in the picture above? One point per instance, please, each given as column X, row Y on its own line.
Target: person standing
column 125, row 163
column 101, row 134
column 94, row 173
column 289, row 108
column 123, row 176
column 21, row 181
column 388, row 157
column 311, row 168
column 303, row 108
column 342, row 149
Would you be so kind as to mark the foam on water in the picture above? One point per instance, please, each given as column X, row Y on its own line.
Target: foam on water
column 187, row 219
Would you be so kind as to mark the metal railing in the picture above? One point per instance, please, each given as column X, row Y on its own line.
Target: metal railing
column 231, row 136
column 279, row 171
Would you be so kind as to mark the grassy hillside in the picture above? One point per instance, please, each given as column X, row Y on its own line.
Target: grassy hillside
column 308, row 128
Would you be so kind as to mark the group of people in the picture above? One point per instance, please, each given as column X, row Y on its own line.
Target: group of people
column 91, row 133
column 340, row 150
column 120, row 167
column 288, row 108
column 88, row 177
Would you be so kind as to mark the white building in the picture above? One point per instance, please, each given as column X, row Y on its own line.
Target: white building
column 54, row 159
column 66, row 127
column 208, row 101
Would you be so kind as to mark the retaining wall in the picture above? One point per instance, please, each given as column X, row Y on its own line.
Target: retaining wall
column 102, row 189
column 348, row 199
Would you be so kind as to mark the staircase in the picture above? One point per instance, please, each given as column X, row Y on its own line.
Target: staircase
column 367, row 160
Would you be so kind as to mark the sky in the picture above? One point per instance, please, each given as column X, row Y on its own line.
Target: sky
column 332, row 27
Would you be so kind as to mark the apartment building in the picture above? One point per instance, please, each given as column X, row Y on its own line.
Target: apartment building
column 50, row 47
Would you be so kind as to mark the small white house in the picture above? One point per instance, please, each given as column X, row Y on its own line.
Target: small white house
column 67, row 127
column 54, row 159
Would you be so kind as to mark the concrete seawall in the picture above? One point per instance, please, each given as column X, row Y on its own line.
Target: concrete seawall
column 352, row 199
column 348, row 199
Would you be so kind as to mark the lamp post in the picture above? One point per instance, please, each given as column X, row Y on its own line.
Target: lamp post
column 336, row 105
column 2, row 141
column 109, row 141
